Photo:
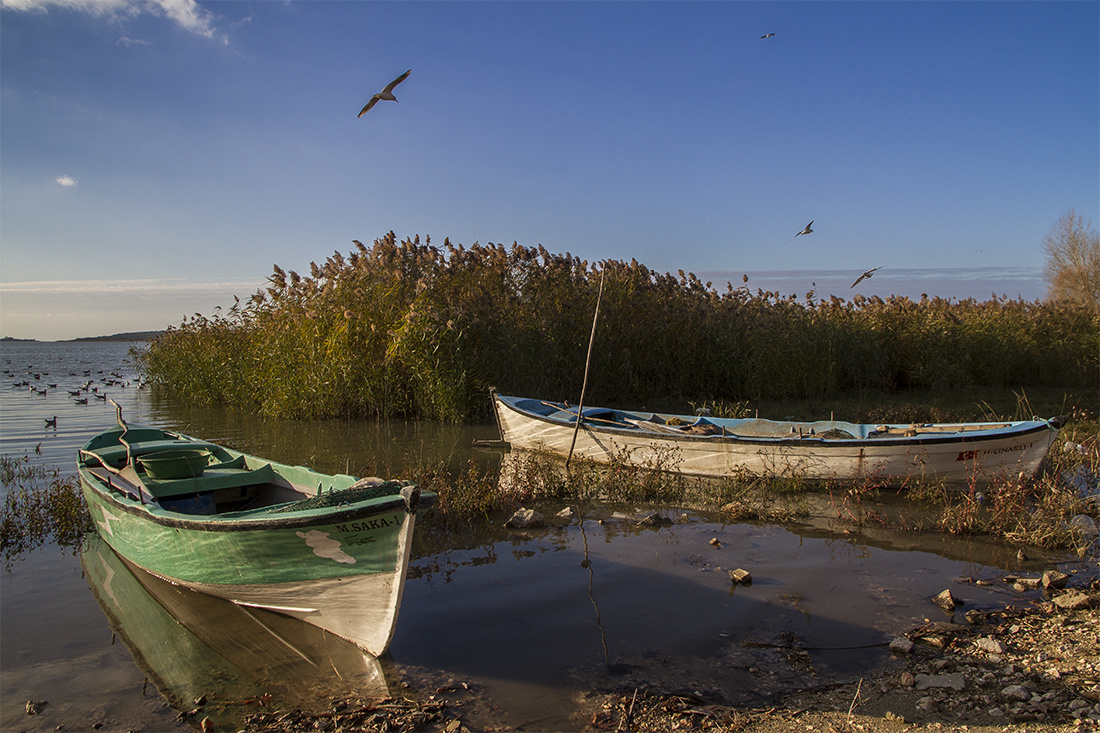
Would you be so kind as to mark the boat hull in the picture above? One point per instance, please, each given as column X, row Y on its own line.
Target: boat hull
column 972, row 456
column 339, row 565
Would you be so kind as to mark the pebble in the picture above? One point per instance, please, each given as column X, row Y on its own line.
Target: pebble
column 991, row 645
column 741, row 576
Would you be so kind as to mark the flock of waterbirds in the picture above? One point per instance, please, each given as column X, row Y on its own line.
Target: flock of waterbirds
column 387, row 95
column 94, row 386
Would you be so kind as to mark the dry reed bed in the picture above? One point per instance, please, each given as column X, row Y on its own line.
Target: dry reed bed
column 409, row 329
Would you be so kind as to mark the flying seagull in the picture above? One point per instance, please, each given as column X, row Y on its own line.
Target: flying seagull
column 864, row 276
column 807, row 230
column 386, row 94
column 769, row 35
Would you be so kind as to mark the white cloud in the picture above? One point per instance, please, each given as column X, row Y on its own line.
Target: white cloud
column 127, row 42
column 187, row 14
column 67, row 181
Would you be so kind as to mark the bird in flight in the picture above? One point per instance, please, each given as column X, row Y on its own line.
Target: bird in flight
column 864, row 276
column 768, row 35
column 807, row 230
column 386, row 94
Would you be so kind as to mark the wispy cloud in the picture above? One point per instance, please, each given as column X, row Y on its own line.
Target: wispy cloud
column 150, row 286
column 66, row 180
column 187, row 14
column 127, row 42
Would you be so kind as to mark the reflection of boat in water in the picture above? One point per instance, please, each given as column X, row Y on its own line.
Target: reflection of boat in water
column 192, row 645
column 330, row 550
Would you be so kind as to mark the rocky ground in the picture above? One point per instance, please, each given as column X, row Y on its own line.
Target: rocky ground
column 1029, row 667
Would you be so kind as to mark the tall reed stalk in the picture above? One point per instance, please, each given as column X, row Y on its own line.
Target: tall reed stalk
column 410, row 329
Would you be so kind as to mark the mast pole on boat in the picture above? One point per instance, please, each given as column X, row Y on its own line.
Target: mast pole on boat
column 587, row 361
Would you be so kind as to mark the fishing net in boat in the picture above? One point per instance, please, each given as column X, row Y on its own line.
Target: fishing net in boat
column 350, row 495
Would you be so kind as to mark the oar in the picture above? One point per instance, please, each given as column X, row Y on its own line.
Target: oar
column 587, row 361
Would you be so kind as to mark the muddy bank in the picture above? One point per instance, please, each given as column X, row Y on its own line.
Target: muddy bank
column 1034, row 666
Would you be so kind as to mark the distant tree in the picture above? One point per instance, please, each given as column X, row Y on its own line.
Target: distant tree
column 1072, row 269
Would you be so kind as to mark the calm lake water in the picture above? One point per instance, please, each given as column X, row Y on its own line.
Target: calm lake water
column 531, row 621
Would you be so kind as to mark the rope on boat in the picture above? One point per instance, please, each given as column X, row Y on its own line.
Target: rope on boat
column 351, row 495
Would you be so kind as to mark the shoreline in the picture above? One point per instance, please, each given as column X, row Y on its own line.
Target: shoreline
column 1033, row 666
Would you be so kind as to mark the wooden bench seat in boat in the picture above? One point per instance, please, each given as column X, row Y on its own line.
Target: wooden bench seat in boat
column 213, row 478
column 115, row 455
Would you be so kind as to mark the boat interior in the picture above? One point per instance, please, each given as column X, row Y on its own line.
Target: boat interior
column 184, row 475
column 705, row 425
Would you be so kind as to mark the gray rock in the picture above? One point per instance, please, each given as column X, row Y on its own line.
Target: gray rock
column 1055, row 579
column 1016, row 692
column 901, row 645
column 1073, row 599
column 654, row 519
column 991, row 645
column 526, row 519
column 946, row 600
column 1084, row 525
column 566, row 513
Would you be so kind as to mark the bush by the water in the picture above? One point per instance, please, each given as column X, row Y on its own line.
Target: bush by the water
column 409, row 329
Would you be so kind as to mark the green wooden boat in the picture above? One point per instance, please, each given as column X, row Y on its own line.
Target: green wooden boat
column 332, row 551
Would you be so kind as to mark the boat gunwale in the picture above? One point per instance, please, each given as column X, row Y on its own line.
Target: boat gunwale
column 226, row 522
column 1017, row 429
column 275, row 516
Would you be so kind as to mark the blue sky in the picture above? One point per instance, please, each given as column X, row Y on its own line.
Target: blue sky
column 159, row 156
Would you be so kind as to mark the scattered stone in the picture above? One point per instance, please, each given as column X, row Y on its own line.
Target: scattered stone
column 901, row 645
column 1073, row 600
column 953, row 681
column 654, row 519
column 741, row 576
column 926, row 704
column 990, row 645
column 947, row 601
column 1084, row 525
column 526, row 519
column 1016, row 692
column 34, row 707
column 1023, row 583
column 714, row 541
column 566, row 513
column 907, row 679
column 1055, row 579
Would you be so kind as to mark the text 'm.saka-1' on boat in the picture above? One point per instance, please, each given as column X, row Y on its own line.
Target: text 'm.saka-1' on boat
column 330, row 550
column 961, row 453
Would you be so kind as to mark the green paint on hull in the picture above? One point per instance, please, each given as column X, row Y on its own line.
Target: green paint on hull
column 271, row 554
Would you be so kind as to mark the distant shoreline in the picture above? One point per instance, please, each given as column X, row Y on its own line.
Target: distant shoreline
column 130, row 336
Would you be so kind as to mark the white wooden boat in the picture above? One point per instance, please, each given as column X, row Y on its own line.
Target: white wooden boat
column 893, row 455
